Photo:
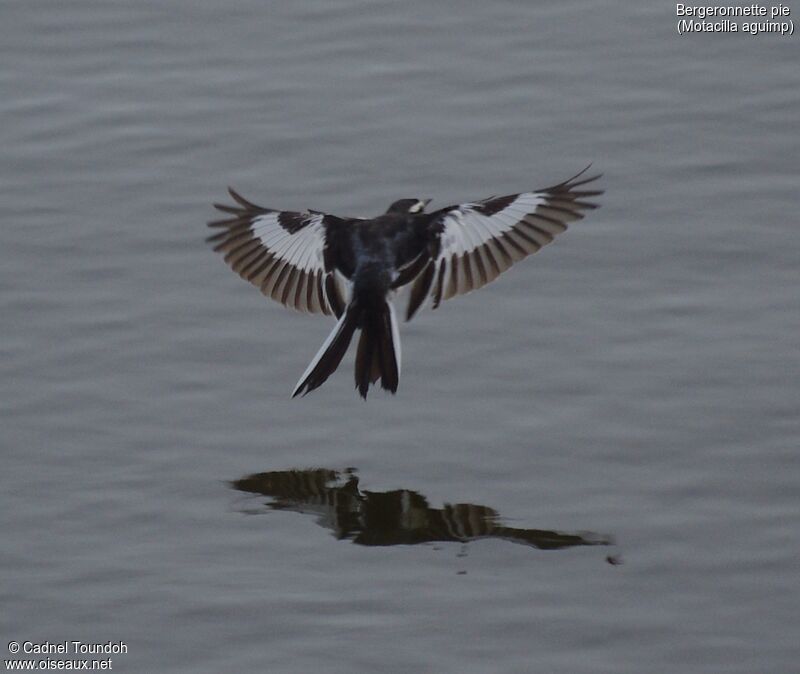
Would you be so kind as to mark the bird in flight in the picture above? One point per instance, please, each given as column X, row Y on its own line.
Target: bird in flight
column 351, row 267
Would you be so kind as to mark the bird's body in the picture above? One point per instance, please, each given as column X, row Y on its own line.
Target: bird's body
column 350, row 267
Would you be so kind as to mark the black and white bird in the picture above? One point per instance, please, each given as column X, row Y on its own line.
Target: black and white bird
column 351, row 267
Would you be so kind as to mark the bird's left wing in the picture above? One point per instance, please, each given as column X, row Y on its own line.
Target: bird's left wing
column 281, row 252
column 471, row 244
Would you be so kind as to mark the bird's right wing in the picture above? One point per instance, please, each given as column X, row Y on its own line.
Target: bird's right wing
column 472, row 244
column 281, row 252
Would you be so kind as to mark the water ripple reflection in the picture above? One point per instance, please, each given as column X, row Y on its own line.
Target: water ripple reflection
column 398, row 517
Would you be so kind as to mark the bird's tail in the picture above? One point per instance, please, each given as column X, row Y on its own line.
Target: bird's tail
column 378, row 355
column 330, row 353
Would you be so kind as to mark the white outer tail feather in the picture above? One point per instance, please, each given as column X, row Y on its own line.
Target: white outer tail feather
column 328, row 341
column 332, row 336
column 395, row 336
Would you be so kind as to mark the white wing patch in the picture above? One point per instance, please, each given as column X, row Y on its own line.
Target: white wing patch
column 477, row 248
column 479, row 241
column 466, row 229
column 282, row 253
column 303, row 249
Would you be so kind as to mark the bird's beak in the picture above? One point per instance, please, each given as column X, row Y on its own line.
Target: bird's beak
column 425, row 202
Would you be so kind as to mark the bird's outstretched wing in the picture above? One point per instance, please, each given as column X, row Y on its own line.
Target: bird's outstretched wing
column 282, row 253
column 472, row 244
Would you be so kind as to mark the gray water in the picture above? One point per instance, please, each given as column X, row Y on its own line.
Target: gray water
column 635, row 384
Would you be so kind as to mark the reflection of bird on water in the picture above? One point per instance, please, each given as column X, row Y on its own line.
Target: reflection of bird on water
column 400, row 517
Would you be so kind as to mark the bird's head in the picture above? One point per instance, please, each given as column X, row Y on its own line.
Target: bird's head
column 409, row 206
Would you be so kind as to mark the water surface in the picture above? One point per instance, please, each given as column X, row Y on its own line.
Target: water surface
column 636, row 380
